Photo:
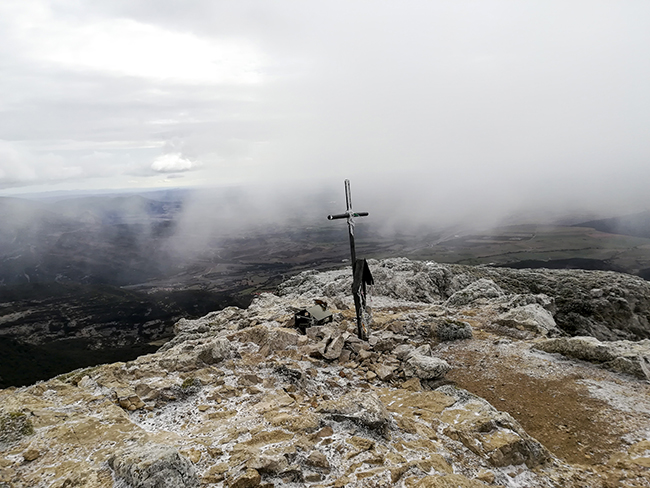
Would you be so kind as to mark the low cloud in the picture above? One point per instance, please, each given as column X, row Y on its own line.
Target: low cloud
column 172, row 163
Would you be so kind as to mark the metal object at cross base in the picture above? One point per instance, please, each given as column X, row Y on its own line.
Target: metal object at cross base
column 350, row 215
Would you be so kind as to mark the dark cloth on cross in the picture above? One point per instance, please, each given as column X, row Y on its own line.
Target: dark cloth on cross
column 361, row 277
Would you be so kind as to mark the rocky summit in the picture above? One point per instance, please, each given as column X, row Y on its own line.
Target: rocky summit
column 470, row 377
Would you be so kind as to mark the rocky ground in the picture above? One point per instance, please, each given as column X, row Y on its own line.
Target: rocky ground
column 462, row 383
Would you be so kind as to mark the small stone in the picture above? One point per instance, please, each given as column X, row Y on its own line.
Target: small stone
column 361, row 443
column 252, row 378
column 31, row 454
column 215, row 452
column 345, row 356
column 332, row 349
column 371, row 375
column 268, row 463
column 412, row 385
column 402, row 351
column 250, row 479
column 385, row 373
column 326, row 431
column 486, row 476
column 136, row 402
column 363, row 354
column 131, row 402
column 341, row 482
column 318, row 459
column 194, row 455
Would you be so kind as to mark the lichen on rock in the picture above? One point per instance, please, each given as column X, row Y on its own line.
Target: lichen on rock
column 13, row 427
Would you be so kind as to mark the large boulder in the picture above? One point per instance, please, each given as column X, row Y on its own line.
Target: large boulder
column 425, row 367
column 477, row 290
column 531, row 317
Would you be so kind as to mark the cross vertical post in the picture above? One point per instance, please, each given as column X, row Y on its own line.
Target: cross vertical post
column 357, row 272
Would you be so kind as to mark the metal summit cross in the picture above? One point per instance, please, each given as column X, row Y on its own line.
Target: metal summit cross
column 360, row 271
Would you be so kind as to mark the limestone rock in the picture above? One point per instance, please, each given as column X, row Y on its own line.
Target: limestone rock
column 384, row 372
column 216, row 351
column 402, row 351
column 395, row 278
column 31, row 454
column 363, row 408
column 603, row 304
column 423, row 350
column 489, row 433
column 153, row 467
column 622, row 356
column 331, row 346
column 385, row 341
column 480, row 289
column 318, row 460
column 249, row 479
column 531, row 317
column 425, row 367
column 236, row 393
column 268, row 463
column 453, row 330
column 13, row 427
column 448, row 481
column 585, row 348
column 212, row 322
column 545, row 301
column 276, row 338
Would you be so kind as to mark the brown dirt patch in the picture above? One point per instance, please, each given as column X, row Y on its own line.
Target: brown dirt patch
column 556, row 411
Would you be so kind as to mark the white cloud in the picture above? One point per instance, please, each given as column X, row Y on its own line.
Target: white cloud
column 20, row 166
column 13, row 168
column 128, row 47
column 477, row 96
column 171, row 163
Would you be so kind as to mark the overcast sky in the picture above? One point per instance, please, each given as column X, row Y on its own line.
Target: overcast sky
column 508, row 100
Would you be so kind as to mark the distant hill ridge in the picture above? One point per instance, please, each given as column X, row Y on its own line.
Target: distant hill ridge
column 637, row 224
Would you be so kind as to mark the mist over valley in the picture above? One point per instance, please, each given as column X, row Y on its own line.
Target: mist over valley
column 96, row 278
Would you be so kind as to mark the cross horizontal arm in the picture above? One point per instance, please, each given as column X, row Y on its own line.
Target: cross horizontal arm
column 346, row 215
